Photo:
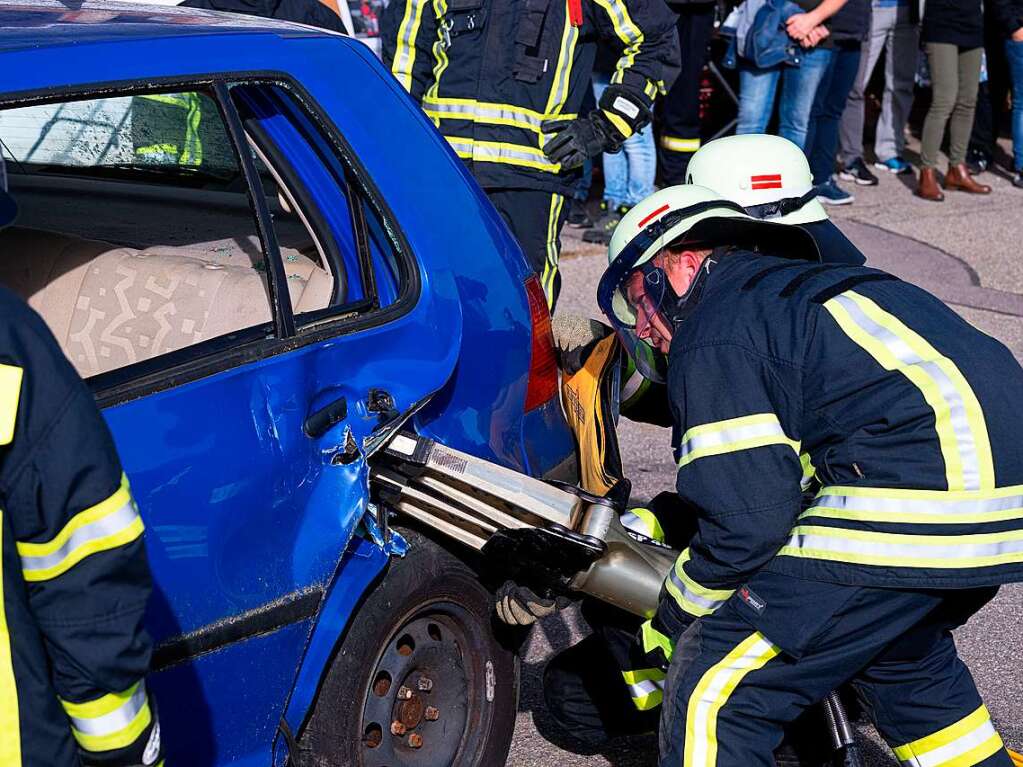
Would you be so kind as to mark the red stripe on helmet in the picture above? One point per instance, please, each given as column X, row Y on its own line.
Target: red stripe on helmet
column 767, row 185
column 646, row 219
column 766, row 177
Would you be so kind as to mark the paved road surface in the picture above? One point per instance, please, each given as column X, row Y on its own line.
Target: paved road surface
column 966, row 251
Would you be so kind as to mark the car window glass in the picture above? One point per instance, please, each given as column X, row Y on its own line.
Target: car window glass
column 135, row 238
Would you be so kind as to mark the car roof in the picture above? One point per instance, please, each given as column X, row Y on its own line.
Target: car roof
column 46, row 23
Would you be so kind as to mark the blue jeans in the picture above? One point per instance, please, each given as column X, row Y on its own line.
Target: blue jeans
column 828, row 106
column 629, row 174
column 1014, row 55
column 757, row 89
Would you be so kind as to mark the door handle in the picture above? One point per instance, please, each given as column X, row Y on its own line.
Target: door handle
column 319, row 423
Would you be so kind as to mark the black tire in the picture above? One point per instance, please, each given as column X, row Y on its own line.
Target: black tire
column 427, row 624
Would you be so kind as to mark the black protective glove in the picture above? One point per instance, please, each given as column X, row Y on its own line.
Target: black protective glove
column 521, row 606
column 578, row 140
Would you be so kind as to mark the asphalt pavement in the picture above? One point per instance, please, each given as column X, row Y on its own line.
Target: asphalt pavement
column 966, row 251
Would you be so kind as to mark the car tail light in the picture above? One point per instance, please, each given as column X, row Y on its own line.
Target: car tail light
column 543, row 364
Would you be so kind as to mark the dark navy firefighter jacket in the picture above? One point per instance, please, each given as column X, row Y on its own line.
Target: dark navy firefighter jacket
column 902, row 417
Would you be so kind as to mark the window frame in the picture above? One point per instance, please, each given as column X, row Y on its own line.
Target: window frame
column 224, row 353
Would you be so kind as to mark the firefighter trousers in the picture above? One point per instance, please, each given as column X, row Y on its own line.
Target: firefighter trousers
column 780, row 644
column 536, row 218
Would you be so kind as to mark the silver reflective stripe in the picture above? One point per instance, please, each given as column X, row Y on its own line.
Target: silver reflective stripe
column 104, row 526
column 875, row 508
column 402, row 66
column 958, row 747
column 965, row 445
column 635, row 523
column 503, row 152
column 888, row 548
column 116, row 720
column 479, row 111
column 691, row 596
column 632, row 386
column 559, row 90
column 729, row 436
column 644, row 688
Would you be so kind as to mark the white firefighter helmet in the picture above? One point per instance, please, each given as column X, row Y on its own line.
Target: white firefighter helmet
column 682, row 215
column 767, row 175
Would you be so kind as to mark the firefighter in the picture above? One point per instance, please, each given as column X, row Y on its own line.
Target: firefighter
column 782, row 374
column 504, row 82
column 73, row 654
column 770, row 177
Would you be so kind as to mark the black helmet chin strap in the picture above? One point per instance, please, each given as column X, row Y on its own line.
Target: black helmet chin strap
column 781, row 207
column 676, row 308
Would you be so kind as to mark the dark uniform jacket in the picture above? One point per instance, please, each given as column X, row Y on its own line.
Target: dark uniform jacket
column 902, row 417
column 489, row 72
column 75, row 579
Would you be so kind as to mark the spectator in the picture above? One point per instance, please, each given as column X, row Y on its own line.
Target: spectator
column 629, row 173
column 680, row 109
column 757, row 87
column 953, row 39
column 1010, row 15
column 894, row 28
column 848, row 29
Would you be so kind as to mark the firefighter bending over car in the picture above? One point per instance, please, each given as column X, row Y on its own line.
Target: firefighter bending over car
column 73, row 654
column 504, row 80
column 783, row 374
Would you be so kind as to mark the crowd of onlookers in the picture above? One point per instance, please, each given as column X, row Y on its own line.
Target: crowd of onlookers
column 804, row 70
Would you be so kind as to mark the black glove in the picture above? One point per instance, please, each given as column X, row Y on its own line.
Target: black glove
column 578, row 140
column 520, row 606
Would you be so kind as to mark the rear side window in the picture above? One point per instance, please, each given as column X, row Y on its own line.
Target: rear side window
column 135, row 238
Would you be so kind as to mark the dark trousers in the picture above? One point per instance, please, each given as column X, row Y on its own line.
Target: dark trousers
column 536, row 219
column 828, row 106
column 741, row 675
column 680, row 110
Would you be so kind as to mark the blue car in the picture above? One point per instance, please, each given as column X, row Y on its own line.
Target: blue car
column 261, row 255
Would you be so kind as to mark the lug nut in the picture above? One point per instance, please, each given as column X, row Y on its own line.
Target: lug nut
column 415, row 740
column 425, row 684
column 404, row 693
column 397, row 728
column 431, row 714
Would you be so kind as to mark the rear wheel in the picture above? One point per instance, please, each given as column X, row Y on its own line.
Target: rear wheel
column 420, row 679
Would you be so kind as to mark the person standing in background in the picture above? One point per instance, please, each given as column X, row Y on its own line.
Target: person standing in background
column 1009, row 15
column 953, row 37
column 848, row 29
column 894, row 28
column 680, row 109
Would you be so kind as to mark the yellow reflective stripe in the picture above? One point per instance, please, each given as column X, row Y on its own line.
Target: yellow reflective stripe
column 808, row 470
column 654, row 639
column 440, row 56
column 623, row 127
column 467, row 108
column 405, row 51
column 550, row 267
column 712, row 692
column 645, row 687
column 107, row 525
column 10, row 396
column 563, row 71
column 115, row 720
column 676, row 144
column 627, row 32
column 647, row 521
column 502, row 152
column 732, row 435
column 959, row 420
column 650, row 89
column 970, row 740
column 866, row 547
column 691, row 596
column 10, row 726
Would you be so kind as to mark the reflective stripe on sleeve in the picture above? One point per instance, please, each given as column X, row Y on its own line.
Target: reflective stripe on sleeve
column 692, row 597
column 731, row 436
column 627, row 32
column 930, row 507
column 967, row 742
column 654, row 639
column 107, row 525
column 405, row 52
column 645, row 686
column 867, row 547
column 10, row 396
column 10, row 723
column 112, row 721
column 644, row 522
column 959, row 420
column 713, row 691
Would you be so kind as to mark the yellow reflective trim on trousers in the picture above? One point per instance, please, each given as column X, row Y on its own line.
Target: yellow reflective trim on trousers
column 959, row 420
column 623, row 127
column 10, row 396
column 970, row 740
column 107, row 525
column 563, row 70
column 10, row 723
column 405, row 51
column 550, row 267
column 676, row 144
column 713, row 691
column 732, row 435
column 113, row 721
column 808, row 470
column 627, row 32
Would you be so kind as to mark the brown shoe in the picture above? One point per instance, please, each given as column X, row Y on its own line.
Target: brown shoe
column 958, row 177
column 928, row 187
